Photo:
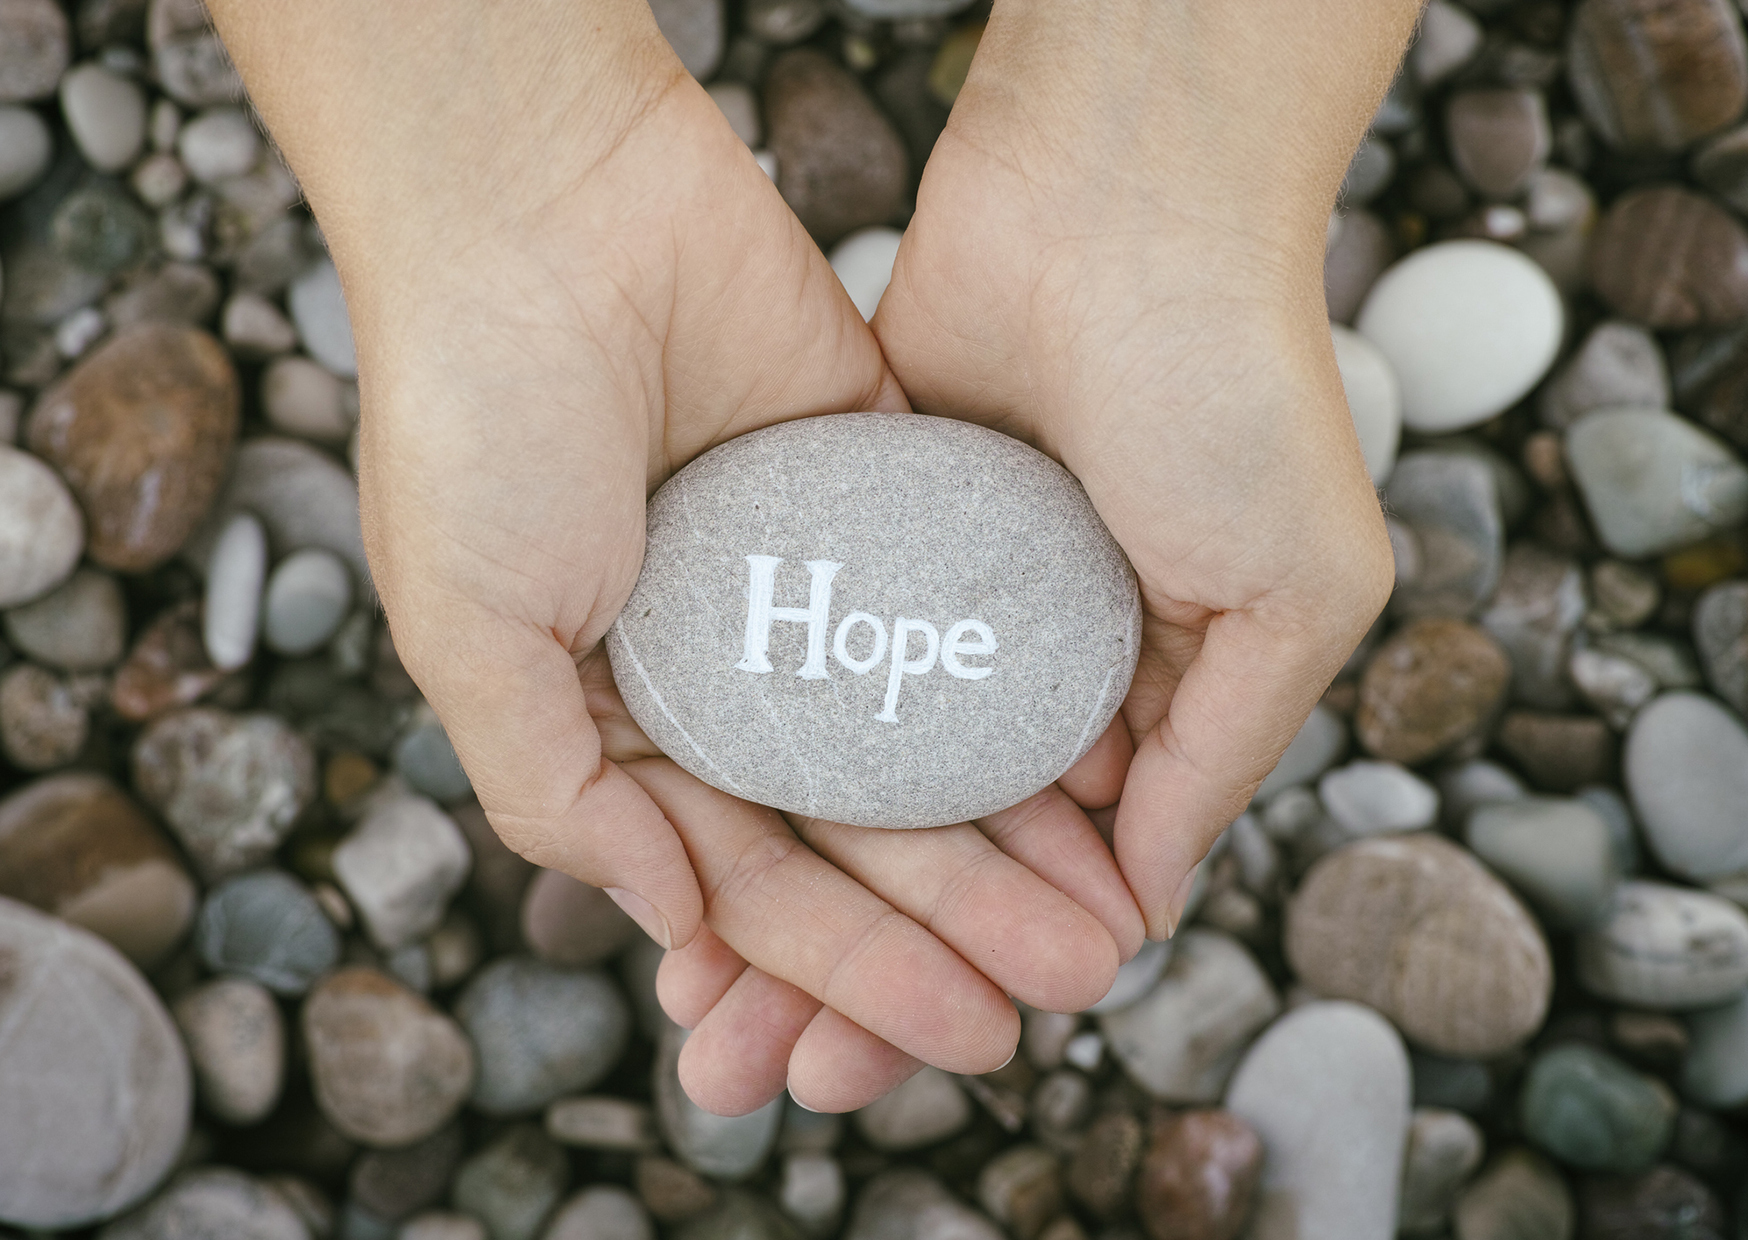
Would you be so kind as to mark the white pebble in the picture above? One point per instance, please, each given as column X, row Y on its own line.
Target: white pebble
column 255, row 328
column 106, row 114
column 767, row 161
column 1371, row 798
column 233, row 592
column 863, row 261
column 218, row 144
column 1469, row 328
column 304, row 399
column 1374, row 398
column 307, row 599
column 165, row 124
column 25, row 149
column 318, row 307
column 159, row 179
column 79, row 331
column 1084, row 1050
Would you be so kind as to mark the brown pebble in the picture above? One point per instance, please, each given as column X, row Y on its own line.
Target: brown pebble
column 1432, row 686
column 43, row 723
column 1559, row 753
column 952, row 62
column 347, row 776
column 1199, row 1176
column 1499, row 138
column 1670, row 258
column 166, row 668
column 1417, row 928
column 1654, row 1037
column 1654, row 75
column 1358, row 250
column 142, row 430
column 1100, row 1173
column 671, row 1192
column 1704, row 564
column 1664, row 1203
column 840, row 163
column 1544, row 458
column 571, row 924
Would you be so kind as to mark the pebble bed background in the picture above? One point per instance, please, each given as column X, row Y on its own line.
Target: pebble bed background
column 1475, row 964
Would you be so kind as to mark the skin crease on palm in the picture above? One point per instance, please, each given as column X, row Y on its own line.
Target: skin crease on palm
column 567, row 278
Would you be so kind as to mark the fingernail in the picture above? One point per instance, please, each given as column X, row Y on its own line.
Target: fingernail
column 1175, row 913
column 643, row 913
column 1010, row 1058
column 798, row 1102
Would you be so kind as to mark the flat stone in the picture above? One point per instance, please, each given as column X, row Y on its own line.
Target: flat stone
column 1374, row 398
column 318, row 308
column 603, row 1123
column 1447, row 529
column 308, row 596
column 79, row 626
column 142, row 430
column 302, row 398
column 910, row 1204
column 42, row 532
column 400, row 867
column 77, row 846
column 1373, row 798
column 25, row 149
column 1715, row 1070
column 166, row 668
column 268, row 926
column 392, row 1184
column 1050, row 647
column 229, row 786
column 1199, row 1175
column 514, row 1183
column 723, row 1147
column 540, row 1032
column 1518, row 1197
column 1665, row 1203
column 1326, row 1088
column 1619, row 363
column 94, row 1084
column 1418, row 929
column 1183, row 1040
column 388, row 1068
column 235, row 574
column 1686, row 769
column 1592, row 1112
column 212, row 1203
column 1436, row 684
column 1469, row 328
column 190, row 62
column 1654, row 77
column 44, row 720
column 236, row 1040
column 1559, row 854
column 1358, row 250
column 927, row 1108
column 1320, row 741
column 1653, row 481
column 840, row 163
column 863, row 263
column 1499, row 138
column 1670, row 258
column 1538, row 606
column 1559, row 753
column 571, row 924
column 1666, row 948
column 106, row 114
column 600, row 1212
column 33, row 48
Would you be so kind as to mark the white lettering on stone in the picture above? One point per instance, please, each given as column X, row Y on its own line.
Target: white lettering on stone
column 816, row 615
column 901, row 631
column 841, row 642
column 954, row 644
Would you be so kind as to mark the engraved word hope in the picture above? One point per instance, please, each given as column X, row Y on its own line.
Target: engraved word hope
column 968, row 637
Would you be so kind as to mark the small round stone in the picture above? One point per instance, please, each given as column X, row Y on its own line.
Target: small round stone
column 391, row 1184
column 427, row 761
column 1374, row 398
column 99, row 228
column 1720, row 633
column 1373, row 798
column 968, row 573
column 232, row 615
column 94, row 1084
column 601, row 1212
column 1686, row 769
column 254, row 327
column 1444, row 1150
column 1653, row 481
column 1499, row 138
column 1665, row 947
column 266, row 925
column 1533, row 615
column 1198, row 1176
column 863, row 262
column 308, row 597
column 217, row 144
column 1435, row 685
column 388, row 1068
column 1619, row 363
column 304, row 399
column 514, row 1183
column 106, row 114
column 1559, row 854
column 41, row 531
column 1469, row 328
column 210, row 1202
column 1321, row 740
column 1665, row 1203
column 80, row 626
column 571, row 924
column 1670, row 258
column 1591, row 1111
column 540, row 1032
column 166, row 668
column 191, row 63
column 724, row 1147
column 44, row 723
column 33, row 48
column 25, row 149
column 1517, row 1197
column 400, row 867
column 1417, row 928
column 931, row 1106
column 909, row 1202
column 236, row 1038
column 1653, row 75
column 1715, row 1071
column 318, row 307
column 1358, row 249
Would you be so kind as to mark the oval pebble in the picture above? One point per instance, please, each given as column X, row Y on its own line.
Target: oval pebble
column 1715, row 1072
column 888, row 620
column 1591, row 1111
column 94, row 1083
column 268, row 926
column 1686, row 769
column 1664, row 947
column 106, row 114
column 41, row 530
column 79, row 626
column 1469, row 328
column 724, row 1147
column 1654, row 481
column 1374, row 398
column 25, row 149
column 217, row 144
column 318, row 308
column 308, row 596
column 236, row 1038
column 232, row 615
column 863, row 262
column 210, row 1202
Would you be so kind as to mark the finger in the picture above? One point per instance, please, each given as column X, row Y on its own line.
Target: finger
column 692, row 979
column 513, row 705
column 790, row 913
column 737, row 1059
column 1021, row 933
column 1097, row 779
column 1241, row 700
column 839, row 1066
column 1050, row 836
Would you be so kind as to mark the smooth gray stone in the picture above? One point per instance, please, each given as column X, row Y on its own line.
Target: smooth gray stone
column 1654, row 481
column 1668, row 660
column 1183, row 1040
column 1444, row 1150
column 25, row 149
column 79, row 626
column 1592, row 1112
column 42, row 531
column 513, row 1184
column 1559, row 854
column 266, row 925
column 1685, row 765
column 1463, row 789
column 812, row 1191
column 1715, row 1072
column 927, row 1108
column 968, row 573
column 1451, row 1084
column 1618, row 364
column 902, row 10
column 739, row 1215
column 1666, row 948
column 1539, row 604
column 307, row 598
column 909, row 1204
column 1720, row 632
column 1368, row 172
column 212, row 1203
column 1366, row 797
column 94, row 1083
column 1135, row 976
column 400, row 867
column 1612, row 808
column 1320, row 742
column 1448, row 503
column 540, row 1032
column 1326, row 1088
column 601, row 1212
column 318, row 308
column 723, row 1147
column 1616, row 687
column 427, row 760
column 695, row 30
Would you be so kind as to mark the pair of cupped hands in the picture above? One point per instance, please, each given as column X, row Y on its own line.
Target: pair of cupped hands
column 563, row 292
